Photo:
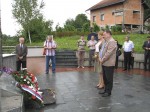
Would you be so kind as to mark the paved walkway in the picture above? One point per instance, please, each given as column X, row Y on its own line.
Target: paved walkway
column 76, row 90
column 37, row 66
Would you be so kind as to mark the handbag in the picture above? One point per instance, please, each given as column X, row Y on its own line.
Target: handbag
column 119, row 52
column 44, row 50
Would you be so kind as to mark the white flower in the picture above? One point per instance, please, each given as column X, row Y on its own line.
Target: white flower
column 28, row 82
column 24, row 80
column 21, row 77
column 40, row 93
column 24, row 68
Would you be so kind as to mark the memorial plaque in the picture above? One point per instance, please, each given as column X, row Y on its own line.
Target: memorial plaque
column 49, row 96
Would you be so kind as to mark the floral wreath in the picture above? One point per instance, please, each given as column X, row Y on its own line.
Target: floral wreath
column 27, row 82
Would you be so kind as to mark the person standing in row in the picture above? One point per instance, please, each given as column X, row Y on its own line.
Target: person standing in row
column 146, row 47
column 97, row 65
column 107, row 59
column 50, row 46
column 91, row 44
column 118, row 53
column 81, row 51
column 128, row 48
column 21, row 54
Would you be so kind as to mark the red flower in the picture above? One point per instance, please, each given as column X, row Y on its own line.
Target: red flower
column 33, row 97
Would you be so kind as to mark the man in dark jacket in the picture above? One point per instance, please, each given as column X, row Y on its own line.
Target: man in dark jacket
column 146, row 47
column 21, row 54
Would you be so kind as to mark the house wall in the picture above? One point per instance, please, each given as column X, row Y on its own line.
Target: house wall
column 109, row 19
column 128, row 17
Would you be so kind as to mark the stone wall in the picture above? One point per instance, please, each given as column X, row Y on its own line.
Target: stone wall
column 9, row 60
column 138, row 60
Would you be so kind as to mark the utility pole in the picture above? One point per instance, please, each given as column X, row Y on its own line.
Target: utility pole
column 1, row 57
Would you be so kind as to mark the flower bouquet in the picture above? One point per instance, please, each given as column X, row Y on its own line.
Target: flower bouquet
column 27, row 82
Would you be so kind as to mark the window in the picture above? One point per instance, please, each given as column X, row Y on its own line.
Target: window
column 102, row 17
column 94, row 18
column 117, row 12
column 120, row 13
column 136, row 14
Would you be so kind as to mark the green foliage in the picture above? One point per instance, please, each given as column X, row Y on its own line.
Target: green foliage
column 68, row 33
column 25, row 11
column 70, row 22
column 96, row 28
column 107, row 27
column 138, row 40
column 58, row 28
column 147, row 27
column 69, row 28
column 81, row 23
column 116, row 28
column 147, row 11
column 80, row 20
column 69, row 42
column 40, row 29
column 9, row 41
column 86, row 27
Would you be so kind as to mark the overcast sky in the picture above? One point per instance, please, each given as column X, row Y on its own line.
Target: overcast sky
column 57, row 10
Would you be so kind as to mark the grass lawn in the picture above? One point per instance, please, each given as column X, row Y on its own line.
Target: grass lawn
column 70, row 43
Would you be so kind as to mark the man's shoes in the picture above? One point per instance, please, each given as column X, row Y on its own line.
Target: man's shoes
column 101, row 92
column 106, row 94
column 124, row 69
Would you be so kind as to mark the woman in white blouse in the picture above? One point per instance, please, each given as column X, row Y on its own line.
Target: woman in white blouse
column 98, row 66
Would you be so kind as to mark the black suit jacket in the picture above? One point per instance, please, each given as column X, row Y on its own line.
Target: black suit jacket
column 146, row 45
column 21, row 52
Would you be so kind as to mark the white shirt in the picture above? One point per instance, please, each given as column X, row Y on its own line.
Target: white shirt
column 128, row 46
column 91, row 44
column 21, row 45
column 97, row 46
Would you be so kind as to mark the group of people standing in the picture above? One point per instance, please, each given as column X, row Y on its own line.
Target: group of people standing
column 104, row 52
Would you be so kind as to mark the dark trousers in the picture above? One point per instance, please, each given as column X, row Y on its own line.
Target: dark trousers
column 147, row 60
column 21, row 64
column 91, row 54
column 127, row 60
column 108, row 73
column 116, row 64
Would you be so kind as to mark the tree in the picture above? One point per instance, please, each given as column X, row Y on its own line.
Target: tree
column 58, row 28
column 40, row 28
column 96, row 28
column 69, row 28
column 25, row 11
column 70, row 22
column 80, row 20
column 147, row 11
column 86, row 27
